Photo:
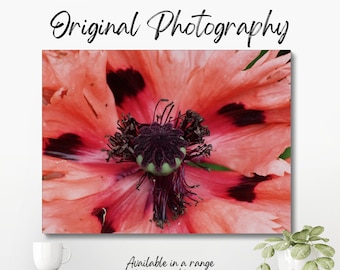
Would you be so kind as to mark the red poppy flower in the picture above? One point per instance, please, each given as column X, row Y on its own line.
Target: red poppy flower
column 166, row 141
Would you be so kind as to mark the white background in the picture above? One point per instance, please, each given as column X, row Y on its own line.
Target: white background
column 313, row 39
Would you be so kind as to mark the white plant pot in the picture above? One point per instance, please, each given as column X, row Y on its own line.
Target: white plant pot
column 286, row 262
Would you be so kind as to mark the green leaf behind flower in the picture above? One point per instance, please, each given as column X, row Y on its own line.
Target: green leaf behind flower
column 209, row 166
column 285, row 154
column 262, row 53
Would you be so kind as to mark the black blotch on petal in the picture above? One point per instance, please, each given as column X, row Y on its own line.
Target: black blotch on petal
column 241, row 116
column 107, row 229
column 100, row 213
column 65, row 146
column 245, row 190
column 128, row 82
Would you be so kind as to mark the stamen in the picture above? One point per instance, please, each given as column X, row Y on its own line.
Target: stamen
column 154, row 112
column 171, row 105
column 200, row 150
column 141, row 180
column 121, row 143
column 160, row 149
column 104, row 215
column 170, row 195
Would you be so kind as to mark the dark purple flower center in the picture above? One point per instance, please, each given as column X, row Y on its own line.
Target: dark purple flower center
column 160, row 149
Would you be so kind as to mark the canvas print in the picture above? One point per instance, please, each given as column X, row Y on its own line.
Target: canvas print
column 166, row 142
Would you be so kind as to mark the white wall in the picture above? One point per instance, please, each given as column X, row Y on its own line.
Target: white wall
column 313, row 40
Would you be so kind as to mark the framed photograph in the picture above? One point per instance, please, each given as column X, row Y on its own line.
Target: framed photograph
column 166, row 142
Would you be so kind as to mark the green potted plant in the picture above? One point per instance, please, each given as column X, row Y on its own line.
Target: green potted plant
column 302, row 250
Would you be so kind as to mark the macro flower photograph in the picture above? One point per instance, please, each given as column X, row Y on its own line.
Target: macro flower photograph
column 166, row 142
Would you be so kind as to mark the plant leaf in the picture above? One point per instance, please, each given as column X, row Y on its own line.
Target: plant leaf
column 260, row 246
column 311, row 265
column 282, row 245
column 268, row 252
column 300, row 237
column 317, row 230
column 318, row 238
column 325, row 249
column 263, row 266
column 307, row 227
column 287, row 235
column 325, row 263
column 301, row 251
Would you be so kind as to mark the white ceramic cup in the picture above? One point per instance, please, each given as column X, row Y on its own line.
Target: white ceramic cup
column 50, row 255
